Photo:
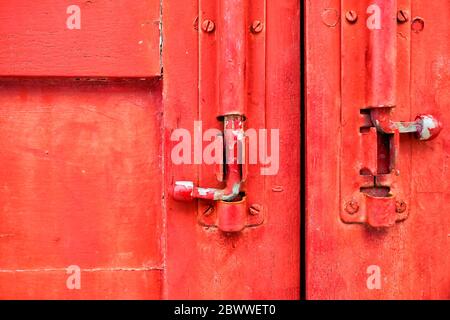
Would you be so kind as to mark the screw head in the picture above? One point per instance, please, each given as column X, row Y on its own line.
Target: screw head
column 351, row 16
column 257, row 26
column 208, row 26
column 417, row 24
column 352, row 207
column 402, row 16
column 255, row 209
column 400, row 206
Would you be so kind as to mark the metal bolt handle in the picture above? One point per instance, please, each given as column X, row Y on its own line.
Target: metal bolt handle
column 425, row 126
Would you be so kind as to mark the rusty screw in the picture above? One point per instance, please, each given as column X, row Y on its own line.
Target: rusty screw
column 417, row 24
column 352, row 207
column 208, row 26
column 400, row 206
column 257, row 26
column 351, row 16
column 402, row 16
column 255, row 209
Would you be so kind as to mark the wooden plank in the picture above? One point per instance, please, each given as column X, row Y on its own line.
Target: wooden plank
column 430, row 93
column 261, row 262
column 180, row 101
column 118, row 38
column 322, row 48
column 94, row 284
column 80, row 182
column 410, row 259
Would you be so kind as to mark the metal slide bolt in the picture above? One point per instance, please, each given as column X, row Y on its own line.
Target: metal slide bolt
column 425, row 126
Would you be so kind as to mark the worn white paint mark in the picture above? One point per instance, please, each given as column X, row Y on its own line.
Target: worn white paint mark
column 186, row 184
column 205, row 191
column 428, row 124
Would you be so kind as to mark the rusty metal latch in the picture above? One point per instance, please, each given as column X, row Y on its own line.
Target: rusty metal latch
column 229, row 202
column 376, row 203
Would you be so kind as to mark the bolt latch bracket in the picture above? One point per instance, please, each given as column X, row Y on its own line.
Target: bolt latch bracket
column 374, row 187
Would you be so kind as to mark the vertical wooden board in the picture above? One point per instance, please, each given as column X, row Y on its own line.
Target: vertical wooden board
column 322, row 48
column 338, row 255
column 430, row 82
column 119, row 38
column 180, row 102
column 262, row 262
column 283, row 113
column 80, row 182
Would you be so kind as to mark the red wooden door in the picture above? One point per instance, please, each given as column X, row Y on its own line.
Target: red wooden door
column 81, row 120
column 90, row 95
column 377, row 222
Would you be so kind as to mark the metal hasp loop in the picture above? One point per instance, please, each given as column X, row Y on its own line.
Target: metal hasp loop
column 230, row 202
column 380, row 135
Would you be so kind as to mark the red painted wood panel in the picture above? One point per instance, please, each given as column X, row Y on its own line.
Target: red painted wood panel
column 81, row 185
column 262, row 262
column 430, row 92
column 117, row 38
column 95, row 284
column 412, row 256
column 180, row 99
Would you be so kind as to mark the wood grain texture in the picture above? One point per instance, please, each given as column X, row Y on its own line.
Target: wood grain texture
column 262, row 262
column 413, row 254
column 117, row 38
column 98, row 284
column 430, row 93
column 80, row 185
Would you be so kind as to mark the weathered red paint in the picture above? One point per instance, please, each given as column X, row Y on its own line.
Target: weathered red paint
column 115, row 39
column 348, row 69
column 257, row 262
column 86, row 172
column 232, row 45
column 232, row 216
column 381, row 54
column 79, row 188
